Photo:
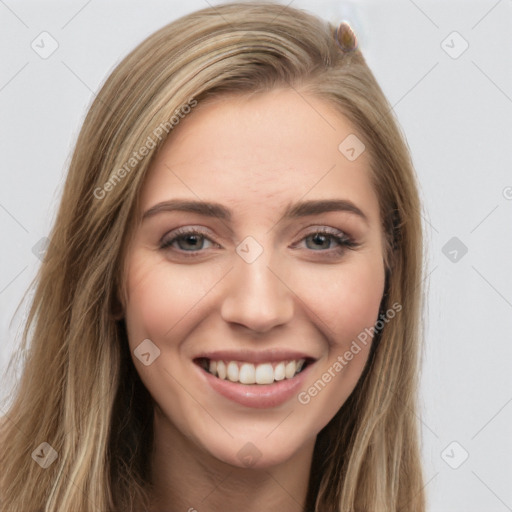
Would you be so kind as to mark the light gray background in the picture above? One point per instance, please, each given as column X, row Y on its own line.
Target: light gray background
column 457, row 117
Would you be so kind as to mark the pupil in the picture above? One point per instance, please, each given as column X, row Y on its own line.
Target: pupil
column 319, row 239
column 192, row 240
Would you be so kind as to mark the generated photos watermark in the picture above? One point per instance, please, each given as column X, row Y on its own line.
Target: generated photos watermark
column 159, row 133
column 304, row 397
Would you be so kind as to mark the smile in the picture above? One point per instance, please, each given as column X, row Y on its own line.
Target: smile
column 255, row 379
column 249, row 373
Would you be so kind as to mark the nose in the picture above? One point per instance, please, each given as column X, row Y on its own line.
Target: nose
column 257, row 296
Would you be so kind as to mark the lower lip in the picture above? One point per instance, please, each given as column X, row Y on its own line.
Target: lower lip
column 257, row 396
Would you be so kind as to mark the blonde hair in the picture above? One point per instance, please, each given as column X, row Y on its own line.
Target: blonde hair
column 79, row 390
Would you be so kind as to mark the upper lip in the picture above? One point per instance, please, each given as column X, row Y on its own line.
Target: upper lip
column 251, row 356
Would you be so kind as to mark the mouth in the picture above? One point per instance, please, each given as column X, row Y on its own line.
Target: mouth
column 244, row 372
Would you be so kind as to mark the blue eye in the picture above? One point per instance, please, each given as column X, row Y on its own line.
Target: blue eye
column 187, row 240
column 193, row 241
column 322, row 240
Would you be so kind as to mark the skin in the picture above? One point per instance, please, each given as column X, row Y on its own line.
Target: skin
column 254, row 155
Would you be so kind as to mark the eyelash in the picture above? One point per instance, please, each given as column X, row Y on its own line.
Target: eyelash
column 343, row 240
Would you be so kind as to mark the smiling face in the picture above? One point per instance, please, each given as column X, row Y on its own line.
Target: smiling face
column 282, row 269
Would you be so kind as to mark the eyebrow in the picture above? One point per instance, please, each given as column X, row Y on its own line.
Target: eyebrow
column 293, row 211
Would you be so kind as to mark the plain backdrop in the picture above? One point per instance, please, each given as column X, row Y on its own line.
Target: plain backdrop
column 446, row 68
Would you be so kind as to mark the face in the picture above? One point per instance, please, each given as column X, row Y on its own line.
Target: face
column 257, row 262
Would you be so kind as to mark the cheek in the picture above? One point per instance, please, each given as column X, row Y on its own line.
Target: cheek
column 159, row 300
column 345, row 301
column 348, row 305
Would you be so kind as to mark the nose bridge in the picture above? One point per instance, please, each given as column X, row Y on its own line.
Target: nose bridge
column 256, row 295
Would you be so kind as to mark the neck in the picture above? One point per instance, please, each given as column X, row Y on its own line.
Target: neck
column 186, row 478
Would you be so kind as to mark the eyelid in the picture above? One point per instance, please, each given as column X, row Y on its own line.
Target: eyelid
column 192, row 229
column 327, row 230
column 311, row 230
column 187, row 230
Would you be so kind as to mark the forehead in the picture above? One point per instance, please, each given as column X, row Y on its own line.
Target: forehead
column 260, row 150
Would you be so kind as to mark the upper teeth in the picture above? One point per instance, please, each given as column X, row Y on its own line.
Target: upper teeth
column 248, row 373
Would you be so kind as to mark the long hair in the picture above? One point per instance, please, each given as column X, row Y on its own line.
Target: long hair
column 79, row 390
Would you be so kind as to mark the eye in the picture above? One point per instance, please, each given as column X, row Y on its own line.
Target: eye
column 326, row 239
column 190, row 240
column 194, row 240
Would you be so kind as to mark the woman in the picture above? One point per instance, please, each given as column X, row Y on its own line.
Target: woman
column 228, row 313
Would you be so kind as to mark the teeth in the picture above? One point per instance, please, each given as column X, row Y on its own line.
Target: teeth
column 247, row 373
column 264, row 374
column 279, row 371
column 221, row 370
column 289, row 370
column 233, row 371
